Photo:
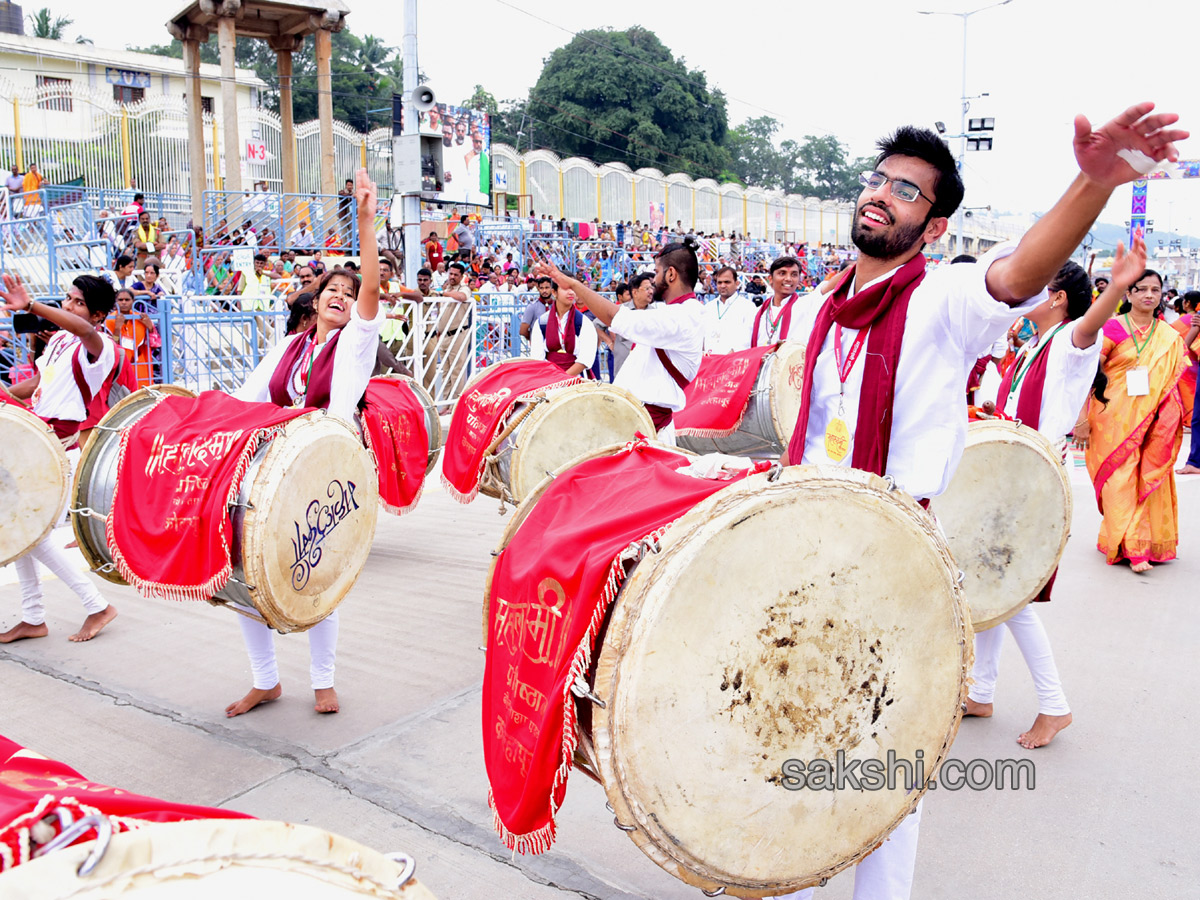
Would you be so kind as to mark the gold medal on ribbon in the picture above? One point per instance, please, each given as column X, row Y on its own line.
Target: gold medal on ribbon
column 837, row 439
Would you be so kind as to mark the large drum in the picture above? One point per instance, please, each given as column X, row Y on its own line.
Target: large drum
column 278, row 540
column 1007, row 517
column 235, row 859
column 35, row 481
column 546, row 433
column 95, row 476
column 748, row 638
column 770, row 417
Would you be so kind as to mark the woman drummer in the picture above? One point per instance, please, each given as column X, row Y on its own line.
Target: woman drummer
column 327, row 367
column 1045, row 387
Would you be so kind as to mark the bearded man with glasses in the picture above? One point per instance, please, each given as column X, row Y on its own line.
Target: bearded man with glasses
column 890, row 347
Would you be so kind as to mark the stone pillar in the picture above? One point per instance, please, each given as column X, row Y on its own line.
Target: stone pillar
column 195, row 128
column 324, row 44
column 227, row 39
column 284, row 47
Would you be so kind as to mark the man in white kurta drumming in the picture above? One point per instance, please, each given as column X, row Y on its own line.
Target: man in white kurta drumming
column 668, row 336
column 890, row 348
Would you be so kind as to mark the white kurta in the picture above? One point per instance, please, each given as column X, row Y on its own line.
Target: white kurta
column 585, row 341
column 952, row 321
column 352, row 367
column 728, row 323
column 1070, row 372
column 676, row 328
column 57, row 395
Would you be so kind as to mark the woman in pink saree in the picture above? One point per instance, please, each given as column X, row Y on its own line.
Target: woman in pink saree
column 1135, row 437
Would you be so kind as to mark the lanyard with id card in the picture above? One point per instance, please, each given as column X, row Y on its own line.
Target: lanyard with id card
column 1137, row 379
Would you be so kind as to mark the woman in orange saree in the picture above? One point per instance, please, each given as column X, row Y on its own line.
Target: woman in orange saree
column 1134, row 438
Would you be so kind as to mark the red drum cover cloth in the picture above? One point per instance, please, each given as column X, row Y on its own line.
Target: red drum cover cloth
column 717, row 397
column 179, row 468
column 479, row 414
column 394, row 431
column 551, row 588
column 32, row 787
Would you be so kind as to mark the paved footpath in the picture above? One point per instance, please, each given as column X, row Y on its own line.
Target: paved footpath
column 400, row 768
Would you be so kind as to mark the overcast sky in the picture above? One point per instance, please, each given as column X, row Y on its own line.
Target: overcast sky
column 853, row 69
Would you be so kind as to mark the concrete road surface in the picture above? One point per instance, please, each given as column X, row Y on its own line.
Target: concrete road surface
column 1113, row 812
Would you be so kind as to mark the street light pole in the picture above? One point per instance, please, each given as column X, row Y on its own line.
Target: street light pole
column 411, row 202
column 962, row 130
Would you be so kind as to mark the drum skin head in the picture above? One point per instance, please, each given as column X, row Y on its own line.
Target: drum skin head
column 98, row 463
column 1007, row 517
column 572, row 421
column 207, row 858
column 34, row 481
column 753, row 637
column 787, row 381
column 311, row 521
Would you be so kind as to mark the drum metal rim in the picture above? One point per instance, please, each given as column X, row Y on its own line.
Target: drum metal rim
column 165, row 851
column 654, row 841
column 988, row 431
column 533, row 422
column 55, row 448
column 257, row 515
column 126, row 411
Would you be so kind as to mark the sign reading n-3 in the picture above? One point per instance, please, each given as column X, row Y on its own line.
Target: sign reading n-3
column 466, row 152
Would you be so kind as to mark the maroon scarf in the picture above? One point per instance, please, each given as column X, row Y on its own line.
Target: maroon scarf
column 320, row 379
column 883, row 308
column 784, row 326
column 1029, row 398
column 560, row 349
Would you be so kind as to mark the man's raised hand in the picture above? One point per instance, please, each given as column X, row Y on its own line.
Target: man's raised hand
column 14, row 294
column 1138, row 130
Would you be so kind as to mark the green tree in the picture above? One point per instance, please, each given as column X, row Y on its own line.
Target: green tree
column 365, row 73
column 621, row 96
column 43, row 24
column 483, row 101
column 832, row 175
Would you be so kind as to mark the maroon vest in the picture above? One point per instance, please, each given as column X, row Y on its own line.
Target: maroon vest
column 320, row 379
column 784, row 326
column 1029, row 400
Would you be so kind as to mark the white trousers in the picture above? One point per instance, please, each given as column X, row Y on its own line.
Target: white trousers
column 1030, row 634
column 322, row 652
column 887, row 874
column 57, row 560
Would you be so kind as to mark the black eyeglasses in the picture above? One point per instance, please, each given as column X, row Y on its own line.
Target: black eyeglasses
column 901, row 190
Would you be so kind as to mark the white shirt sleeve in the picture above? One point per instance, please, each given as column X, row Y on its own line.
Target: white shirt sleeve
column 972, row 317
column 95, row 372
column 257, row 386
column 668, row 327
column 1070, row 372
column 537, row 343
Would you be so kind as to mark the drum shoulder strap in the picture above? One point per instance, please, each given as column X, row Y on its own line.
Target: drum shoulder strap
column 674, row 372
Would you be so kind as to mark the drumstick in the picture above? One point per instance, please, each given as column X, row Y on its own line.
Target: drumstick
column 12, row 398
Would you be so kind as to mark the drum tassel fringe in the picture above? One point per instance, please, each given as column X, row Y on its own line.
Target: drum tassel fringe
column 718, row 432
column 540, row 841
column 187, row 592
column 20, row 829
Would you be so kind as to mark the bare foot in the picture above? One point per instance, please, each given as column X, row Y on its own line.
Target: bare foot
column 22, row 631
column 981, row 710
column 253, row 699
column 1187, row 469
column 327, row 700
column 1043, row 731
column 93, row 623
column 1143, row 566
